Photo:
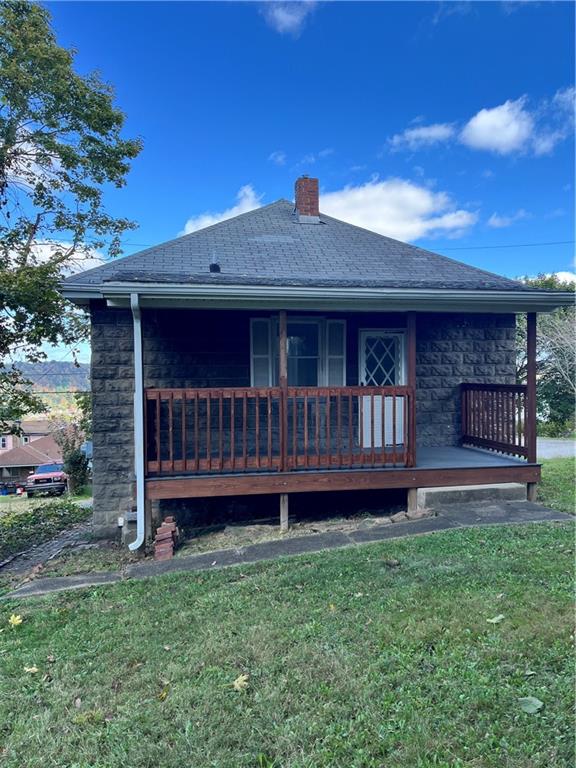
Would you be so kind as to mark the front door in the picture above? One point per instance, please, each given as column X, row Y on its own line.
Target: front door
column 381, row 364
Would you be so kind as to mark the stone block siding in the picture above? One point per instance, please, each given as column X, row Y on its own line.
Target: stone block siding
column 456, row 348
column 112, row 371
column 183, row 348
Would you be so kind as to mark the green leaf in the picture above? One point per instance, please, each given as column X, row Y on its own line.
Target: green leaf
column 531, row 705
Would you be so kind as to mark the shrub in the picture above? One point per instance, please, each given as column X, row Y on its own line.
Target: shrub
column 36, row 524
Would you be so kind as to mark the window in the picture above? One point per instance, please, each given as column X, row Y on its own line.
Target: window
column 316, row 352
column 3, row 442
column 261, row 349
column 25, row 439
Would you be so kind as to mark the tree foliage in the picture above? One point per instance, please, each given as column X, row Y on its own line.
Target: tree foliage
column 70, row 437
column 61, row 145
column 83, row 402
column 555, row 359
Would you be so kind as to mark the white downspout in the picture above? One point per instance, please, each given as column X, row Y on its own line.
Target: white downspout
column 138, row 423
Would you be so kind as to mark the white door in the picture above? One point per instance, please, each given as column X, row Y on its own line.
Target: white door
column 381, row 365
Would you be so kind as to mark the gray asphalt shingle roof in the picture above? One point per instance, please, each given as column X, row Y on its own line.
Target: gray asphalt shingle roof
column 268, row 246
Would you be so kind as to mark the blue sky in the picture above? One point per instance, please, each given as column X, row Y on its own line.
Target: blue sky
column 445, row 124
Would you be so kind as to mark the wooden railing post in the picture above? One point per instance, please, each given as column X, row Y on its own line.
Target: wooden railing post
column 530, row 426
column 411, row 328
column 283, row 380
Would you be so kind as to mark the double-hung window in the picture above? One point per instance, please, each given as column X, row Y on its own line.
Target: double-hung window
column 316, row 352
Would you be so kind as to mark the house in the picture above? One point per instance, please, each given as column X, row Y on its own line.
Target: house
column 17, row 462
column 283, row 351
column 29, row 432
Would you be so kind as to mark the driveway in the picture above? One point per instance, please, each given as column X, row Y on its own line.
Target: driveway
column 554, row 448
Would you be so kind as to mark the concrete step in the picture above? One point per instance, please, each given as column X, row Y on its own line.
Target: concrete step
column 435, row 498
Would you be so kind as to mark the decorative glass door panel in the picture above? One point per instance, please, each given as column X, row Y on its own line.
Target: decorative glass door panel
column 381, row 365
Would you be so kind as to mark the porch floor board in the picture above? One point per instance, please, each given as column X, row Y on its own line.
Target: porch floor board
column 463, row 458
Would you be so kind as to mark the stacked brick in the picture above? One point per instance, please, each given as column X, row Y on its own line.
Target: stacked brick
column 166, row 539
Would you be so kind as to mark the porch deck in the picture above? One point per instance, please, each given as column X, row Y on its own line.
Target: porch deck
column 435, row 467
column 463, row 458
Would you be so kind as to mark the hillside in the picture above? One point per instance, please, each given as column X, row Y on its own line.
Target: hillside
column 57, row 381
column 57, row 376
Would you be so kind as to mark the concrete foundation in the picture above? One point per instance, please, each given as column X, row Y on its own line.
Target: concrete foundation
column 435, row 498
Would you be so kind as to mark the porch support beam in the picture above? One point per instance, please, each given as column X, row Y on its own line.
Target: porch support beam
column 412, row 500
column 283, row 381
column 530, row 432
column 333, row 480
column 411, row 380
column 283, row 349
column 283, row 512
column 531, row 386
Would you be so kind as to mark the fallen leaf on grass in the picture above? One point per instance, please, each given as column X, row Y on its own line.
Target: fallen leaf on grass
column 31, row 670
column 332, row 607
column 163, row 693
column 496, row 619
column 529, row 673
column 78, row 702
column 530, row 704
column 241, row 683
column 167, row 647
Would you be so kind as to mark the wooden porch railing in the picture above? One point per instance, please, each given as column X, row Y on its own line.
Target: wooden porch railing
column 495, row 416
column 192, row 431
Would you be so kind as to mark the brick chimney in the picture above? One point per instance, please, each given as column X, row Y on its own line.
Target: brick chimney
column 306, row 199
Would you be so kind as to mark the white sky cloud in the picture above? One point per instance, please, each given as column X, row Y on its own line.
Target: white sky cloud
column 497, row 221
column 399, row 209
column 567, row 277
column 278, row 157
column 516, row 126
column 247, row 200
column 287, row 18
column 503, row 129
column 84, row 258
column 422, row 136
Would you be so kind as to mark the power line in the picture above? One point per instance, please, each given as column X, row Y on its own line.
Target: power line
column 455, row 248
column 518, row 245
column 62, row 392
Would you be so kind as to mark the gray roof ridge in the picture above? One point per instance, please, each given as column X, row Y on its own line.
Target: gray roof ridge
column 76, row 278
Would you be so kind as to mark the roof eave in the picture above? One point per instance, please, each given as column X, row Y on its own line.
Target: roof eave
column 307, row 297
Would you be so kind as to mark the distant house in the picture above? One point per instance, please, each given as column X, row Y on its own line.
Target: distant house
column 30, row 431
column 285, row 351
column 17, row 462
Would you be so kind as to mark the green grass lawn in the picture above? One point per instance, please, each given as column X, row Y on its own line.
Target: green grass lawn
column 380, row 655
column 558, row 483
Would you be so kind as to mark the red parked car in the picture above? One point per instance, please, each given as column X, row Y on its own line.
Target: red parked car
column 48, row 478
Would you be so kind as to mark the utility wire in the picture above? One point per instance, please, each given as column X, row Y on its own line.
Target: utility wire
column 455, row 248
column 518, row 245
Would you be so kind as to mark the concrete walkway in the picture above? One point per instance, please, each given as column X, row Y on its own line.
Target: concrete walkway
column 449, row 517
column 25, row 561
